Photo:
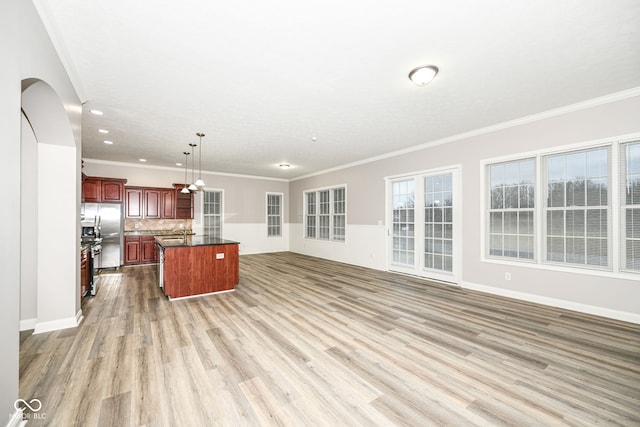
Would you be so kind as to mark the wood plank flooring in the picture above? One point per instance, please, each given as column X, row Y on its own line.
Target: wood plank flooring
column 309, row 342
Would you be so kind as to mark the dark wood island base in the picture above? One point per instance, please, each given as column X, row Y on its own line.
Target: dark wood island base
column 197, row 265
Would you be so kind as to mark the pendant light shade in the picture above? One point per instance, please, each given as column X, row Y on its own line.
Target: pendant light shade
column 199, row 182
column 185, row 190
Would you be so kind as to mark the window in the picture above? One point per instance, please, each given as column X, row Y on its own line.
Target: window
column 325, row 214
column 511, row 209
column 339, row 214
column 212, row 213
column 577, row 208
column 585, row 212
column 630, row 201
column 274, row 214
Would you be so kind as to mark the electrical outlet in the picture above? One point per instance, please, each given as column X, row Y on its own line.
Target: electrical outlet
column 507, row 276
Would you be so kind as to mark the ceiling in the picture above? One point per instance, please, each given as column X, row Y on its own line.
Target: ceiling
column 320, row 84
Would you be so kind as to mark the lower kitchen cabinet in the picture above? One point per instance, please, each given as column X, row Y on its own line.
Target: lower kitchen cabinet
column 131, row 250
column 147, row 249
column 84, row 271
column 139, row 250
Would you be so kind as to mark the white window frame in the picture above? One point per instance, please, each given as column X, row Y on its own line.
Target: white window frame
column 624, row 207
column 614, row 269
column 221, row 215
column 571, row 208
column 328, row 217
column 271, row 215
column 512, row 210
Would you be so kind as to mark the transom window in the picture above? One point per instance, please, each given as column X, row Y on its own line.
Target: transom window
column 325, row 214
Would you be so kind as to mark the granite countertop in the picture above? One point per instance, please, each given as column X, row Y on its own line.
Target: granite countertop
column 193, row 240
column 157, row 232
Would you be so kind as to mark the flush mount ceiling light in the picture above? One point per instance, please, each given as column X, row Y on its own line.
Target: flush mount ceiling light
column 284, row 166
column 96, row 112
column 422, row 76
column 106, row 141
column 103, row 131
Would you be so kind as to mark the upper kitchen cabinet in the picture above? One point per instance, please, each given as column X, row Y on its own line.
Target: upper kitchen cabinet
column 168, row 203
column 184, row 203
column 102, row 190
column 133, row 202
column 150, row 203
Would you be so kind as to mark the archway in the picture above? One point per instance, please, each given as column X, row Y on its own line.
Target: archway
column 50, row 212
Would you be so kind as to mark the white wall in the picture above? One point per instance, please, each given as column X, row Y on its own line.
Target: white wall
column 612, row 295
column 10, row 211
column 57, row 262
column 29, row 229
column 28, row 57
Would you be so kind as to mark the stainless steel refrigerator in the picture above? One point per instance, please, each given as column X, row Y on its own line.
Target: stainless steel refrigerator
column 109, row 223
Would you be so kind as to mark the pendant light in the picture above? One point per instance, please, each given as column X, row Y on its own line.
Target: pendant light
column 199, row 182
column 193, row 186
column 185, row 190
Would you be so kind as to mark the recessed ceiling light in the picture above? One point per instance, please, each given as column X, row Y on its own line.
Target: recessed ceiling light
column 103, row 131
column 96, row 112
column 314, row 138
column 284, row 166
column 178, row 164
column 108, row 142
column 143, row 160
column 422, row 76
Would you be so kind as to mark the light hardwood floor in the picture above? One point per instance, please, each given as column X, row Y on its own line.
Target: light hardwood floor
column 309, row 342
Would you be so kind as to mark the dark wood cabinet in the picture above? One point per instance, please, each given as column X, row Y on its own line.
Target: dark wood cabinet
column 184, row 203
column 131, row 250
column 197, row 270
column 91, row 190
column 147, row 249
column 112, row 191
column 102, row 190
column 139, row 250
column 150, row 203
column 84, row 271
column 168, row 203
column 133, row 202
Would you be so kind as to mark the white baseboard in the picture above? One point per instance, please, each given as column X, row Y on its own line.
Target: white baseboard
column 27, row 324
column 16, row 419
column 553, row 302
column 54, row 325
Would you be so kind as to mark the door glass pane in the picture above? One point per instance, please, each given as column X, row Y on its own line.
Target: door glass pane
column 438, row 222
column 403, row 222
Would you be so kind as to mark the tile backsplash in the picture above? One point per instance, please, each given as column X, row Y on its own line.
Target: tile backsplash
column 156, row 224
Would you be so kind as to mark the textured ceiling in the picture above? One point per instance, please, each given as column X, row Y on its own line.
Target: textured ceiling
column 262, row 79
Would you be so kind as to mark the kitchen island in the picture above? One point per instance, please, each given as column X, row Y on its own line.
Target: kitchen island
column 197, row 265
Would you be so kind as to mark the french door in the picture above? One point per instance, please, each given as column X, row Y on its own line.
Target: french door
column 424, row 233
